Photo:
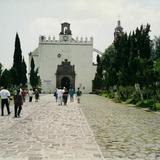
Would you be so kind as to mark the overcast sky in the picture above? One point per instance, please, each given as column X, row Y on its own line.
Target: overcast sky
column 97, row 18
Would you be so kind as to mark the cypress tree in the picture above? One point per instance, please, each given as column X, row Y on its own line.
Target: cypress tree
column 32, row 75
column 109, row 65
column 13, row 76
column 157, row 47
column 0, row 73
column 34, row 78
column 17, row 60
column 97, row 82
column 0, row 69
column 24, row 72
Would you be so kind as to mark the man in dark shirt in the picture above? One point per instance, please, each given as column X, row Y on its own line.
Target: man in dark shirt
column 18, row 102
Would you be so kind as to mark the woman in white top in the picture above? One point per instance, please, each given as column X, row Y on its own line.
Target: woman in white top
column 60, row 96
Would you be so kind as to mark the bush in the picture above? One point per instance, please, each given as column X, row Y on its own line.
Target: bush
column 128, row 101
column 111, row 92
column 117, row 97
column 135, row 97
column 149, row 103
column 125, row 92
column 132, row 101
column 103, row 93
column 156, row 107
column 132, row 96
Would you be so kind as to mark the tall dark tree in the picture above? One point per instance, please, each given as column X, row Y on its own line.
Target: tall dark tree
column 32, row 73
column 24, row 72
column 156, row 57
column 0, row 69
column 109, row 66
column 17, row 61
column 0, row 73
column 156, row 43
column 121, row 59
column 14, row 76
column 34, row 78
column 97, row 82
column 133, row 57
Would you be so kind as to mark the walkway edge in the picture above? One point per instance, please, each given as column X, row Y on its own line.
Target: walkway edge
column 89, row 128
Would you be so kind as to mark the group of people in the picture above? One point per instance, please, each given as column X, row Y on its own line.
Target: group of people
column 19, row 99
column 62, row 95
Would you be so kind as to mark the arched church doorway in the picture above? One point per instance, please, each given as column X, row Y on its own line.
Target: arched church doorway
column 65, row 75
column 65, row 82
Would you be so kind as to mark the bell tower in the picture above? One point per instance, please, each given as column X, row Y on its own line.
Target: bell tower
column 66, row 33
column 118, row 30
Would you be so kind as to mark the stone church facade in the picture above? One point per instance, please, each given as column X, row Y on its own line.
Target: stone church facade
column 65, row 62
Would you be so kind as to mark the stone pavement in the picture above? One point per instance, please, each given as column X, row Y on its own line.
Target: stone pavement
column 47, row 131
column 123, row 132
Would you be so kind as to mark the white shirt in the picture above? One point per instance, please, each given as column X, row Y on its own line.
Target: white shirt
column 4, row 93
column 59, row 92
column 30, row 93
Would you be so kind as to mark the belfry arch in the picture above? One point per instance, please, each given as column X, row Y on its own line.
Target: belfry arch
column 65, row 75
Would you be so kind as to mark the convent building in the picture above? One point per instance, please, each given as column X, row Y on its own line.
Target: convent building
column 66, row 62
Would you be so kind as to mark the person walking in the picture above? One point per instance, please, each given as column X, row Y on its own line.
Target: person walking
column 4, row 94
column 23, row 93
column 65, row 95
column 71, row 94
column 18, row 102
column 30, row 93
column 59, row 96
column 78, row 94
column 36, row 95
column 55, row 94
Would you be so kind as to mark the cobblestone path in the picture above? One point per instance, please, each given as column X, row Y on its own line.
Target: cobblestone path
column 47, row 131
column 123, row 132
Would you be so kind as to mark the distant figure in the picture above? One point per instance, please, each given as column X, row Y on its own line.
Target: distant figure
column 5, row 94
column 55, row 94
column 36, row 93
column 59, row 96
column 78, row 94
column 71, row 94
column 18, row 102
column 23, row 93
column 30, row 93
column 65, row 95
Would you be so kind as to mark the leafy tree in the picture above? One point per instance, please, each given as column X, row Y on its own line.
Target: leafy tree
column 6, row 78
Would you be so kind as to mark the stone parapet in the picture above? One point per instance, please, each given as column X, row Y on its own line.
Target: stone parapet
column 77, row 40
